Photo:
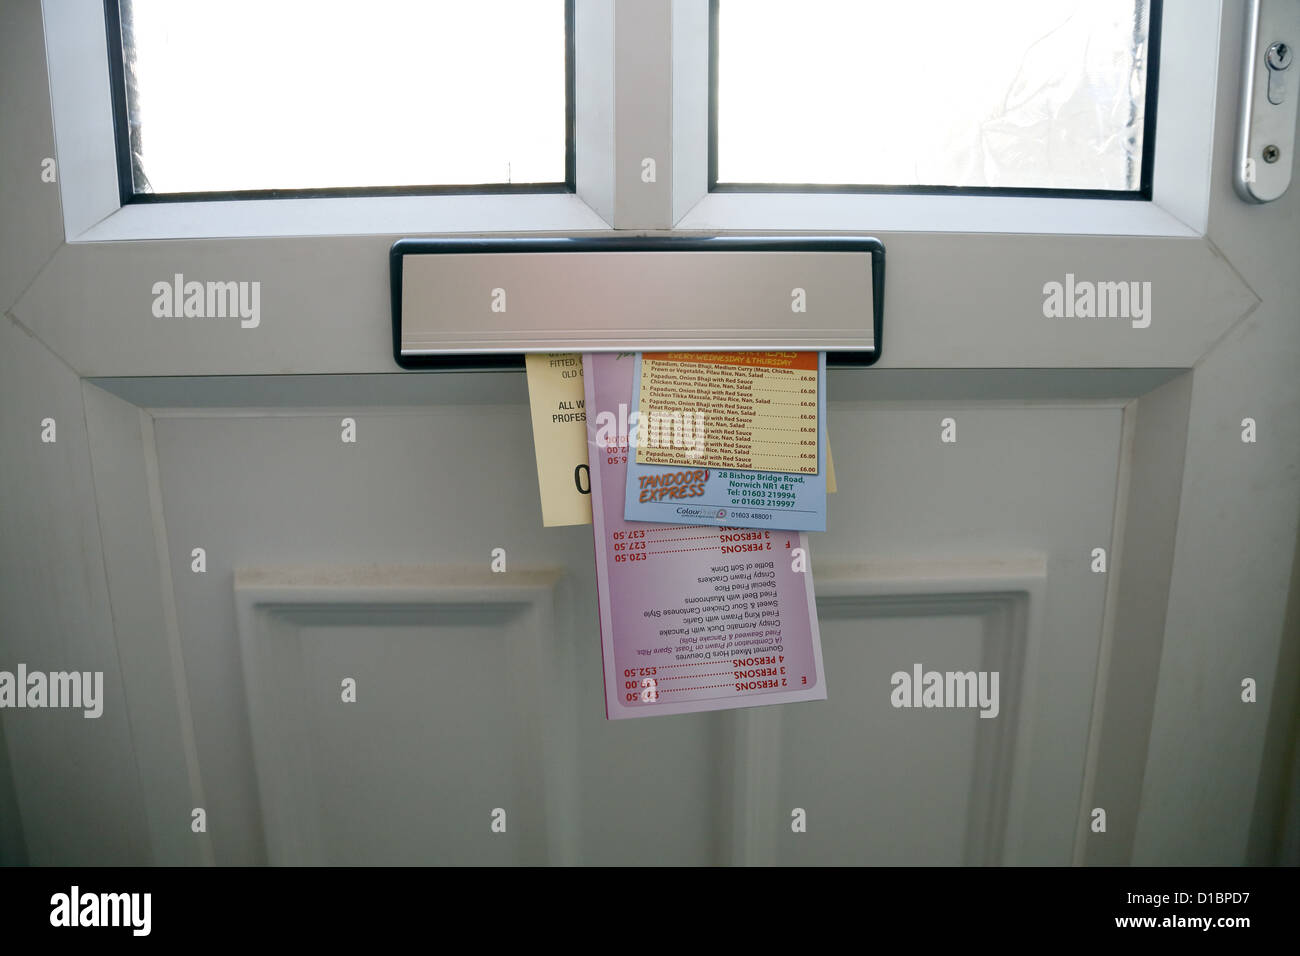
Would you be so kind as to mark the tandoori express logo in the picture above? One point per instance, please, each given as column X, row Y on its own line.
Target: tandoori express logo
column 675, row 484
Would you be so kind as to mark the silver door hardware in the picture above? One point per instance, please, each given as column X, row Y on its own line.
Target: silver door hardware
column 481, row 303
column 1266, row 135
column 1277, row 59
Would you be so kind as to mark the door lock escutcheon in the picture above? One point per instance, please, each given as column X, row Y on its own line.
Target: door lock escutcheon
column 1266, row 136
column 1278, row 60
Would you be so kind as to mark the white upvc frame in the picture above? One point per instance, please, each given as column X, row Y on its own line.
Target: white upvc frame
column 641, row 90
column 81, row 101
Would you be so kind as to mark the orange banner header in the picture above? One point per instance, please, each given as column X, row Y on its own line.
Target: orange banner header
column 795, row 360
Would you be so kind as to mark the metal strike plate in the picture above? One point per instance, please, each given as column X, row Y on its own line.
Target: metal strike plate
column 1266, row 136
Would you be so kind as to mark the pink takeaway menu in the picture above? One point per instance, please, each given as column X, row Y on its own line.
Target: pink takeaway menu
column 692, row 618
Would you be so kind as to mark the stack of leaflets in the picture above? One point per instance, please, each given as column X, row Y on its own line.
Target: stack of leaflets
column 700, row 473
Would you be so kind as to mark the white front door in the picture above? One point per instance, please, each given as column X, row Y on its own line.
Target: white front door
column 1078, row 505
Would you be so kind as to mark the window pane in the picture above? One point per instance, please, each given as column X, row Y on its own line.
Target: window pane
column 1045, row 94
column 306, row 94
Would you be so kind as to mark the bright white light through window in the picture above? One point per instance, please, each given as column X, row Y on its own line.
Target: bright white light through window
column 228, row 95
column 1045, row 94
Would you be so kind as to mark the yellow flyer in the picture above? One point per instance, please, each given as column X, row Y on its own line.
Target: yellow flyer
column 560, row 436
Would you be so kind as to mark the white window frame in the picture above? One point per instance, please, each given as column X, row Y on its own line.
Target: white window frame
column 80, row 95
column 641, row 88
column 1189, row 57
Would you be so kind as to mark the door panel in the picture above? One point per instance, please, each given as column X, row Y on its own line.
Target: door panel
column 833, row 757
column 979, row 560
